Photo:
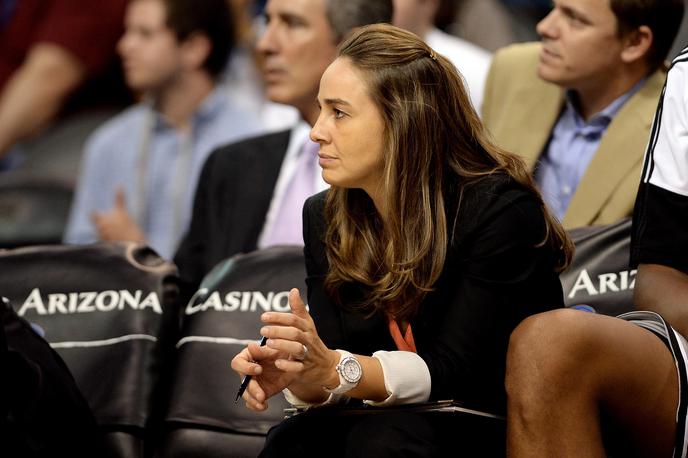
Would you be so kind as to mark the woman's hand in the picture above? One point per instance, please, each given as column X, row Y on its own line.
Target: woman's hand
column 293, row 336
column 267, row 380
column 294, row 357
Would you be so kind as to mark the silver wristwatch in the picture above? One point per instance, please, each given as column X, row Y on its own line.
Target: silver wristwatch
column 350, row 373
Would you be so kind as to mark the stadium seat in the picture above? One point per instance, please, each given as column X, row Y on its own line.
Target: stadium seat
column 33, row 210
column 110, row 311
column 599, row 279
column 202, row 419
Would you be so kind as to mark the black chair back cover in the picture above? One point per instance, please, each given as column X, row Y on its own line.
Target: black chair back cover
column 599, row 279
column 33, row 210
column 109, row 310
column 219, row 321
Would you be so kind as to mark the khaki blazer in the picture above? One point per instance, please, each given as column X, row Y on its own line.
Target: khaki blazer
column 520, row 110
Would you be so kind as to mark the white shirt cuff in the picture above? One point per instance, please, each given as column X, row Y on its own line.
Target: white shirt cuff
column 296, row 402
column 407, row 378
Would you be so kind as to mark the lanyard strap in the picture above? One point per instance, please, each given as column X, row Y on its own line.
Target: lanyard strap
column 180, row 178
column 405, row 342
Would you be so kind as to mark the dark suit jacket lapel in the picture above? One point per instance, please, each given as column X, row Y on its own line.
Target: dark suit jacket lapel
column 253, row 183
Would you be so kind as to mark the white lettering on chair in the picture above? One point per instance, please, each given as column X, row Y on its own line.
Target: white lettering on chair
column 87, row 302
column 239, row 301
column 610, row 282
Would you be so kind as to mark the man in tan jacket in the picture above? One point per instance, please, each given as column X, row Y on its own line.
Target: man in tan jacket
column 578, row 106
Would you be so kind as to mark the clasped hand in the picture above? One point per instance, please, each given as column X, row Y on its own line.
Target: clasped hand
column 294, row 357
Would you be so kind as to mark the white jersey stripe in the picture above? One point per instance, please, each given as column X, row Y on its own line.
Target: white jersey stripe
column 666, row 163
column 681, row 342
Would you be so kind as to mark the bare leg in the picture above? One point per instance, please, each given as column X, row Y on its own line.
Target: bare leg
column 565, row 367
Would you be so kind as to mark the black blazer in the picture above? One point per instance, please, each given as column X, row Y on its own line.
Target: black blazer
column 494, row 276
column 232, row 199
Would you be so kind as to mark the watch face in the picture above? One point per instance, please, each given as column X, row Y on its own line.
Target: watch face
column 351, row 370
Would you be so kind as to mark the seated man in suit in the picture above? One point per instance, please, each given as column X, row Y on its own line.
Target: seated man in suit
column 577, row 381
column 578, row 106
column 250, row 193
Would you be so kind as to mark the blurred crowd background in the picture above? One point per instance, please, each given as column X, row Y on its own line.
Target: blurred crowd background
column 49, row 108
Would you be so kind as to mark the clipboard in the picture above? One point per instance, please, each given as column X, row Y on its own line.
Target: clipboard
column 445, row 406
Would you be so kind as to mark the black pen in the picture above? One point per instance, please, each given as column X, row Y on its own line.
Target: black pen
column 247, row 378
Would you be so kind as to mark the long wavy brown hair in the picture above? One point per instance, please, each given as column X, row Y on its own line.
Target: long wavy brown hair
column 433, row 141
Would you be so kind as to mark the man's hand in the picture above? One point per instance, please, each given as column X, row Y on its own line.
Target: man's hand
column 117, row 224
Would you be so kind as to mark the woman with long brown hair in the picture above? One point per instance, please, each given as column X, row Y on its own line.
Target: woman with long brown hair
column 430, row 247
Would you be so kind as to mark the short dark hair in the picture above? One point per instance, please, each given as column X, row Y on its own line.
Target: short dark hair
column 211, row 18
column 663, row 17
column 346, row 15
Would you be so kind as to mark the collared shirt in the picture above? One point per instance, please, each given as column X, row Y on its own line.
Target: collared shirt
column 571, row 147
column 156, row 165
column 299, row 135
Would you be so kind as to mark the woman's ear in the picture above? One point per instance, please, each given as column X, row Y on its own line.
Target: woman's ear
column 637, row 44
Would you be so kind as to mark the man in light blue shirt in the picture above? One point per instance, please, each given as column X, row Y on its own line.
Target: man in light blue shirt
column 578, row 105
column 140, row 169
column 571, row 147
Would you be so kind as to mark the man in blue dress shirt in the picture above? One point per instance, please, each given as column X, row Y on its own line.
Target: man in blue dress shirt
column 140, row 169
column 578, row 105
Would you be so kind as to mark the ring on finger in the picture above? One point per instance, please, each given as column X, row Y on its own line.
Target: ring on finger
column 305, row 354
